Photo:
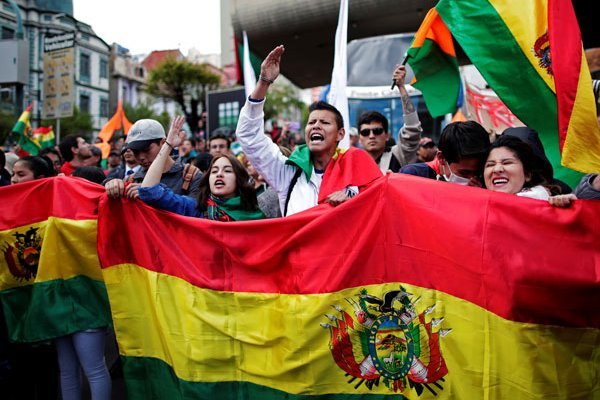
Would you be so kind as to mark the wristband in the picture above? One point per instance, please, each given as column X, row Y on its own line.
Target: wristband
column 265, row 79
column 169, row 144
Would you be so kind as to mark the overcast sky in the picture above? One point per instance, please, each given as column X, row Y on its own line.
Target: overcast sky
column 146, row 25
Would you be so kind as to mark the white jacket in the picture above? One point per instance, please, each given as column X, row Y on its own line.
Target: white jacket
column 266, row 157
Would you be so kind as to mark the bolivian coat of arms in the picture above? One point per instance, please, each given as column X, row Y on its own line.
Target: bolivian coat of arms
column 23, row 255
column 388, row 342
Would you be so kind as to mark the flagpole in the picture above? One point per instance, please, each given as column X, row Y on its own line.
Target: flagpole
column 57, row 130
column 339, row 76
column 403, row 63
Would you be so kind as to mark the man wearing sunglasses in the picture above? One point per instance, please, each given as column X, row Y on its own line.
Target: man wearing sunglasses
column 145, row 139
column 374, row 134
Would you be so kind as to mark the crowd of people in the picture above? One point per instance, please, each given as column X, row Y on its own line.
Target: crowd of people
column 279, row 174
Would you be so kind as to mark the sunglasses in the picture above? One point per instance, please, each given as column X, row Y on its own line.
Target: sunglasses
column 366, row 132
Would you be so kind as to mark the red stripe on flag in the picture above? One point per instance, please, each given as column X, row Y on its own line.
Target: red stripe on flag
column 518, row 258
column 565, row 48
column 62, row 197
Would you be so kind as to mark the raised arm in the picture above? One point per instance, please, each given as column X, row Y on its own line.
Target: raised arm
column 175, row 138
column 410, row 133
column 269, row 71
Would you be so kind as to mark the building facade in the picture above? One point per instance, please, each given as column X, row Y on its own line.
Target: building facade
column 24, row 24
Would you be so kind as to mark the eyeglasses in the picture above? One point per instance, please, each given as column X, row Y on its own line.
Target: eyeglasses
column 366, row 132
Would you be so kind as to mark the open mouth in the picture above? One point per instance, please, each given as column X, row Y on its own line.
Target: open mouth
column 316, row 137
column 219, row 183
column 499, row 181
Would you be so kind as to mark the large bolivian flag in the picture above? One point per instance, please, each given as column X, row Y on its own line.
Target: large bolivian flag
column 50, row 278
column 413, row 288
column 530, row 53
column 433, row 60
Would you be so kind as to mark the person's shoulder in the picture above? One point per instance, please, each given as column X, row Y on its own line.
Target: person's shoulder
column 417, row 169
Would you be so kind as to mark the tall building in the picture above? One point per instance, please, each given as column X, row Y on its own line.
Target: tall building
column 24, row 25
column 127, row 78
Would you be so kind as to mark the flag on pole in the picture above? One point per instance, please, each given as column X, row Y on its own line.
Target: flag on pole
column 249, row 76
column 433, row 60
column 339, row 77
column 22, row 130
column 45, row 136
column 530, row 54
column 118, row 121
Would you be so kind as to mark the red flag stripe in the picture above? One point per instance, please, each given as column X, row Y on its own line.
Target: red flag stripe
column 508, row 255
column 565, row 48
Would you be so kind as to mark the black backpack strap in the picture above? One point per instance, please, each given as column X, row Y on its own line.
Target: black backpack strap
column 290, row 188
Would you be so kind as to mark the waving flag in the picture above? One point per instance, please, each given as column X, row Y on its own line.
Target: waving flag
column 22, row 129
column 44, row 136
column 530, row 53
column 433, row 60
column 362, row 301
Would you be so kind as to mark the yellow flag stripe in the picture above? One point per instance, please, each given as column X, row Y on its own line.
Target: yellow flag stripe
column 581, row 149
column 528, row 21
column 68, row 249
column 276, row 340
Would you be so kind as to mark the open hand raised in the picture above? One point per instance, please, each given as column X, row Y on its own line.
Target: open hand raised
column 176, row 134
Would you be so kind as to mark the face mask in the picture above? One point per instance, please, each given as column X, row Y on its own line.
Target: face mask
column 453, row 178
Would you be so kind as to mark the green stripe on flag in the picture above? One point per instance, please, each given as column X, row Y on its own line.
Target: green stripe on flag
column 51, row 309
column 492, row 48
column 438, row 77
column 151, row 378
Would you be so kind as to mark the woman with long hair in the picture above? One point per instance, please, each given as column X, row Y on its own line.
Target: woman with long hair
column 225, row 191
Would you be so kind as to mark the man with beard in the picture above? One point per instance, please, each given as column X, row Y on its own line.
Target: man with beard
column 75, row 151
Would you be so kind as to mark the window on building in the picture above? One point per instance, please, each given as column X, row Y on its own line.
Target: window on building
column 84, row 67
column 228, row 114
column 103, row 68
column 103, row 108
column 7, row 33
column 84, row 103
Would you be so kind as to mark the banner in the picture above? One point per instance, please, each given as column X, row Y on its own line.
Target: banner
column 59, row 75
column 414, row 288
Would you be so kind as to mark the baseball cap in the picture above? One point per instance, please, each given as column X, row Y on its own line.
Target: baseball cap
column 143, row 133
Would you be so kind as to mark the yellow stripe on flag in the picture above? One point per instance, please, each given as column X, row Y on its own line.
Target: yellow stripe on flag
column 581, row 150
column 276, row 340
column 528, row 21
column 68, row 249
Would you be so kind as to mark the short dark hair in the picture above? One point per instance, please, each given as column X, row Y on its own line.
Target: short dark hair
column 92, row 174
column 321, row 105
column 219, row 135
column 373, row 116
column 465, row 139
column 65, row 146
column 50, row 150
column 202, row 161
column 192, row 141
column 244, row 188
column 40, row 166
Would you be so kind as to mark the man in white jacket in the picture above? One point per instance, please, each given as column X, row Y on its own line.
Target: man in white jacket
column 315, row 173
